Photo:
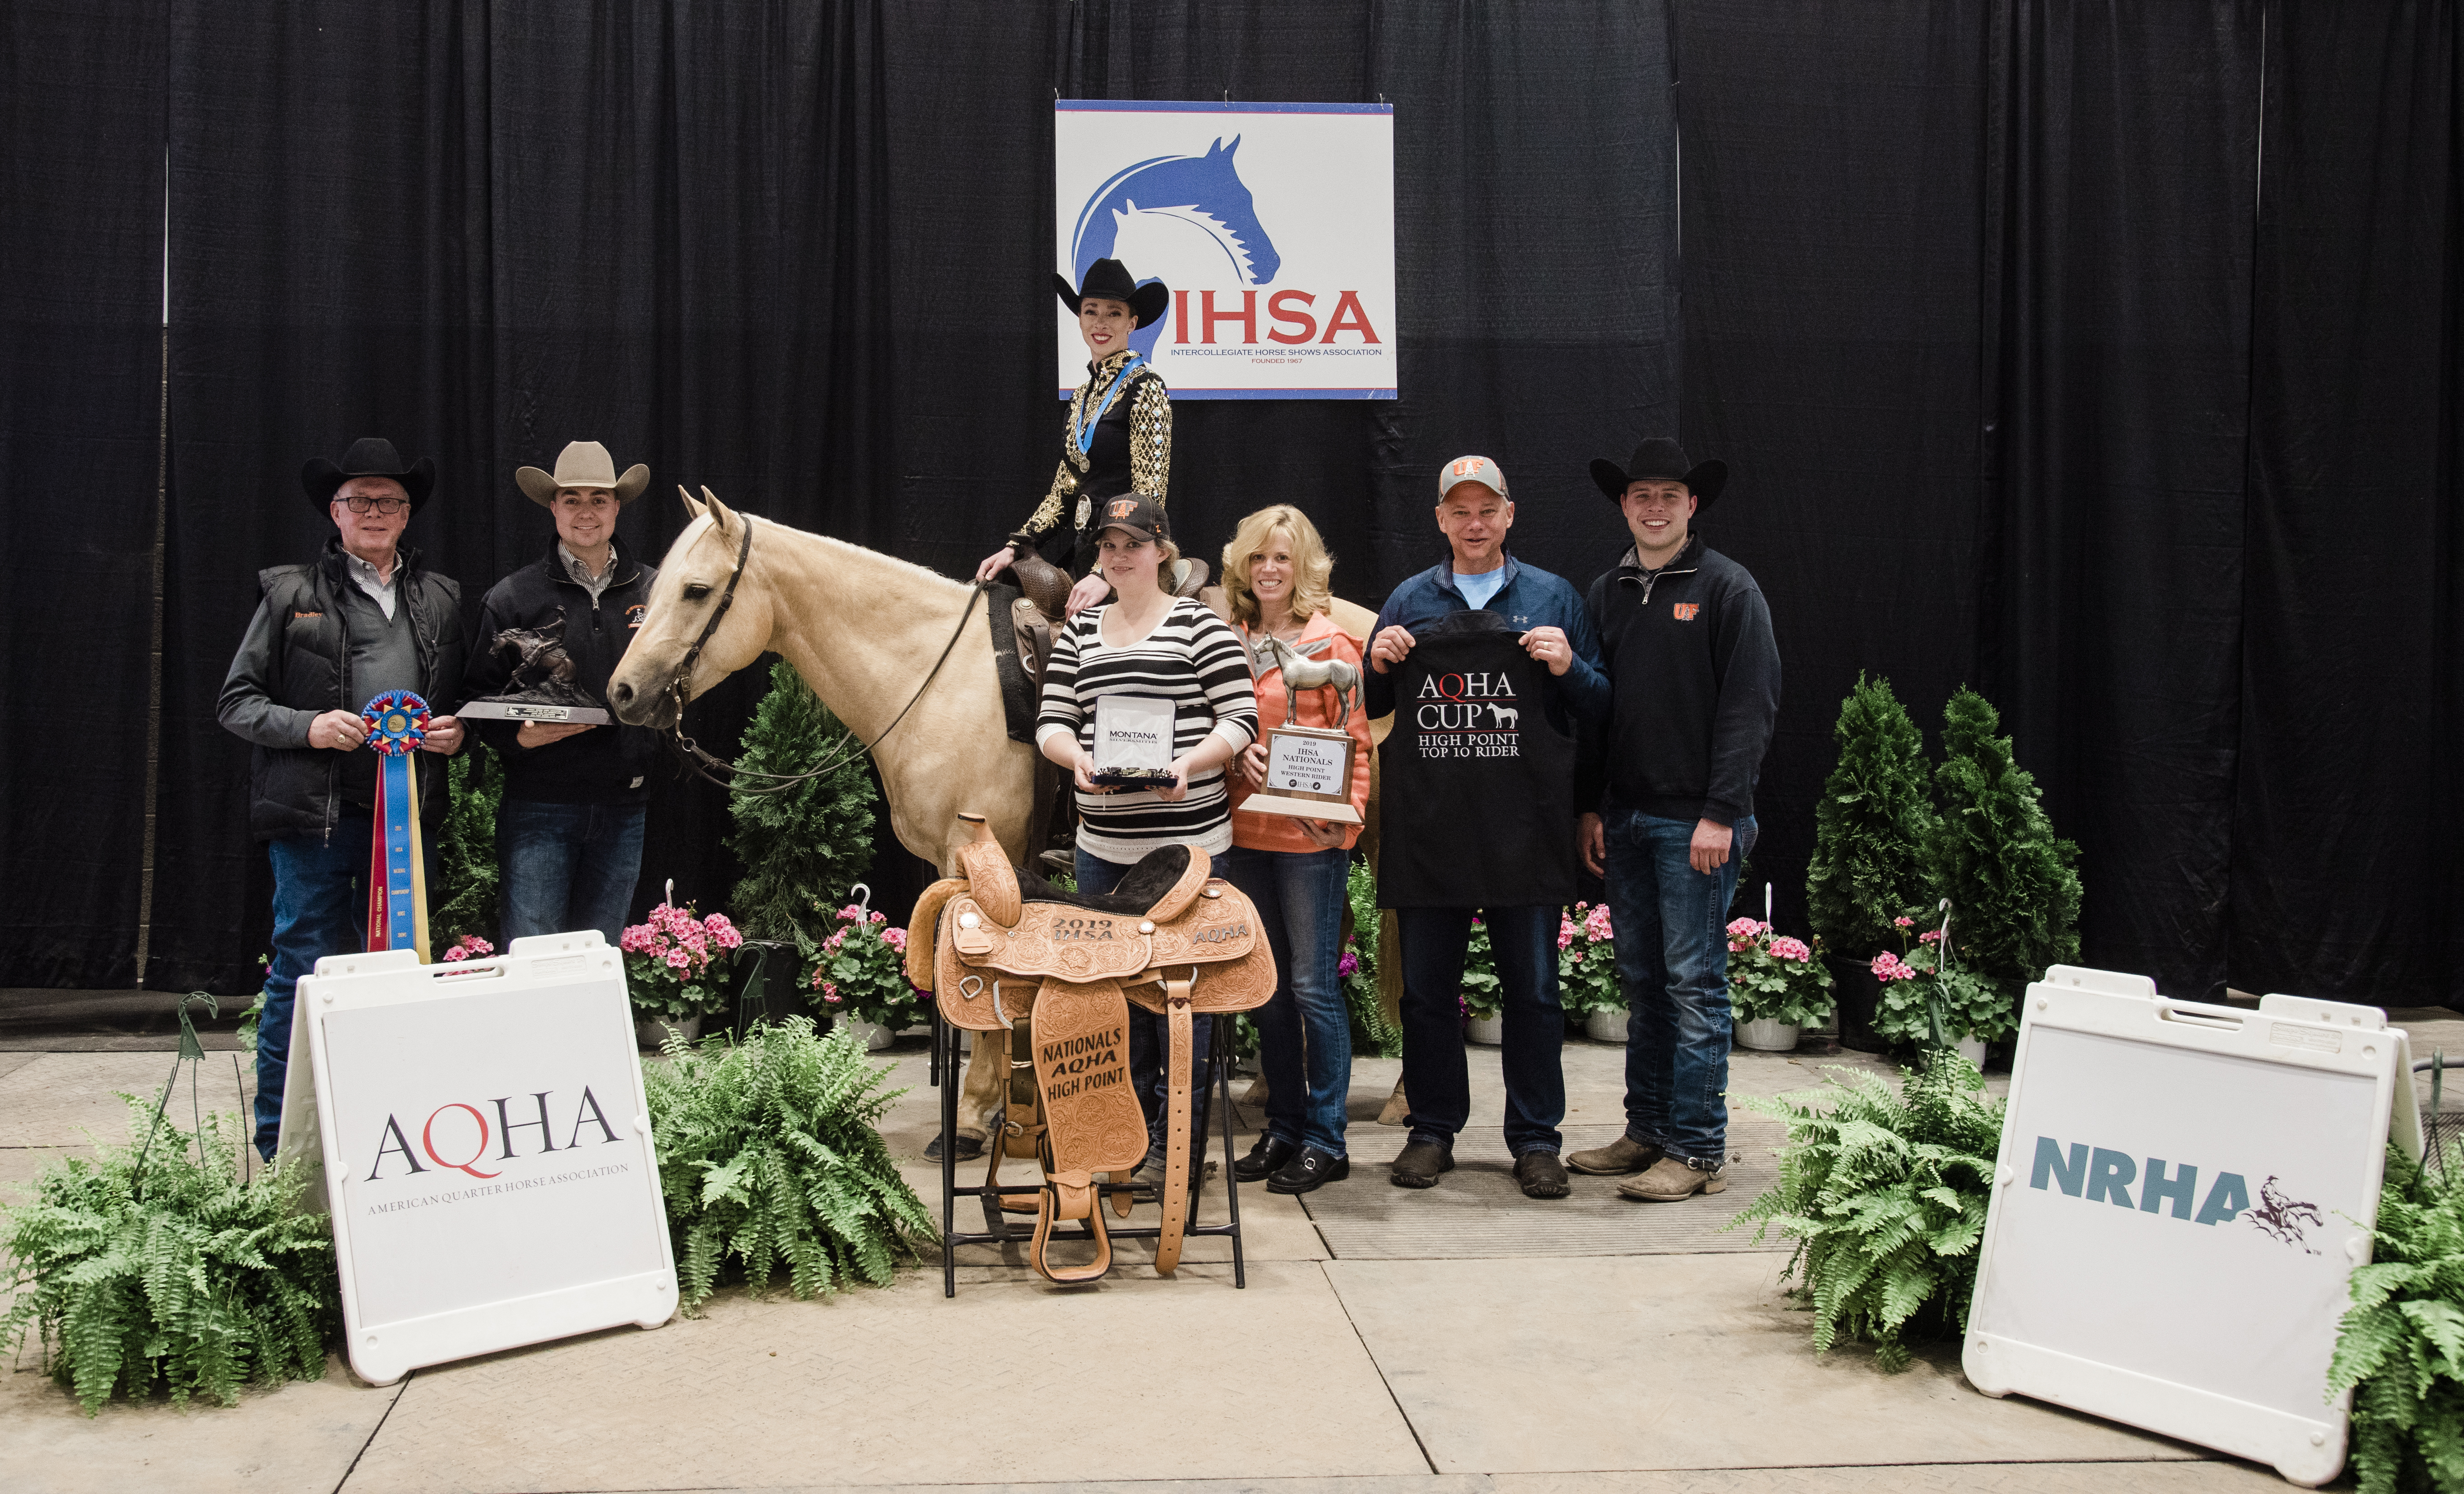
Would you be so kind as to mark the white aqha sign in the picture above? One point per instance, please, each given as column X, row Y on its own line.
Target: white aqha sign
column 486, row 1148
column 2182, row 1192
column 1274, row 224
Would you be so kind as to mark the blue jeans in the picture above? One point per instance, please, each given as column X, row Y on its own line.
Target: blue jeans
column 320, row 908
column 567, row 866
column 1304, row 1030
column 1435, row 1076
column 1672, row 960
column 1150, row 1036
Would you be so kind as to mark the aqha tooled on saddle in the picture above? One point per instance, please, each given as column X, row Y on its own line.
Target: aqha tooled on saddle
column 999, row 948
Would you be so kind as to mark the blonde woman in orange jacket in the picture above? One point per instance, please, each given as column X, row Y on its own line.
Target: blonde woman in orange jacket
column 1276, row 572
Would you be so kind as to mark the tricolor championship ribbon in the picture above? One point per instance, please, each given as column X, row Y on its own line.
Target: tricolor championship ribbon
column 397, row 722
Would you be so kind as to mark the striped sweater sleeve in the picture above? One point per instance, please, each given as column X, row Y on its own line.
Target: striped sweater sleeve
column 1222, row 668
column 1060, row 711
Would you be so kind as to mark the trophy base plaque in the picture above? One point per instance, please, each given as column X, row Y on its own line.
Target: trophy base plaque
column 1309, row 775
column 528, row 710
column 1338, row 812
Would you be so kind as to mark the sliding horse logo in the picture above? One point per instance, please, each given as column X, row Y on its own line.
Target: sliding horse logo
column 1191, row 211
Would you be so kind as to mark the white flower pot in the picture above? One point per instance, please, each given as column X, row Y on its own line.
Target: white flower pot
column 1766, row 1036
column 1972, row 1049
column 1605, row 1024
column 651, row 1032
column 1490, row 1030
column 876, row 1036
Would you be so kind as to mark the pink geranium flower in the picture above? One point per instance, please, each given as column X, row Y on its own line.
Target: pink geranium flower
column 1929, row 937
column 1595, row 925
column 1348, row 965
column 1902, row 923
column 678, row 959
column 1888, row 966
column 1786, row 948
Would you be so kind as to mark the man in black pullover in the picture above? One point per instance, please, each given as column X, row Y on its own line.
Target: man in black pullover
column 1667, row 793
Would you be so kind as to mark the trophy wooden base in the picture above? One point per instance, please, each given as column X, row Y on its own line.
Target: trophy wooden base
column 1338, row 811
column 524, row 710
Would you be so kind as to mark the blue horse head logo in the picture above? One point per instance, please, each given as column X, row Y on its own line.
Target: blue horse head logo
column 1203, row 192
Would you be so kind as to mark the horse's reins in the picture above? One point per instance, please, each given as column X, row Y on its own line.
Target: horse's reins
column 694, row 757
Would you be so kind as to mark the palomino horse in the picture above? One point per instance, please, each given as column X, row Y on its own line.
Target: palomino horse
column 864, row 629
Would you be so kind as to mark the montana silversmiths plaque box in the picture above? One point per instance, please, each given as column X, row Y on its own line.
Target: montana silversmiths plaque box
column 1308, row 773
column 1132, row 742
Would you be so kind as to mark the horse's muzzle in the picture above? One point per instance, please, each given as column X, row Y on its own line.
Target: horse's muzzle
column 635, row 709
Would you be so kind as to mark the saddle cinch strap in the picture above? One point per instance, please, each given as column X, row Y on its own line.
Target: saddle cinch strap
column 1178, row 943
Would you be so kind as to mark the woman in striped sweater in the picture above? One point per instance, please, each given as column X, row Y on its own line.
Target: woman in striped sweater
column 1149, row 645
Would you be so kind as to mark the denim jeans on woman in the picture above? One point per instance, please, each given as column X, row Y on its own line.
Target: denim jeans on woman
column 1436, row 1076
column 1150, row 1036
column 567, row 867
column 1672, row 960
column 1304, row 1030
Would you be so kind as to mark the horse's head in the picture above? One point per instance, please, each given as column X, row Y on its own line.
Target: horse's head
column 1174, row 194
column 692, row 580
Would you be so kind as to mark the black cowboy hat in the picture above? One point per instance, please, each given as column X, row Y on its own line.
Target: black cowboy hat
column 1111, row 279
column 1660, row 459
column 369, row 456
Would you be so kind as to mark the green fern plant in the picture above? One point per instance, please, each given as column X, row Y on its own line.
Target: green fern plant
column 1884, row 1194
column 811, row 843
column 1357, row 968
column 185, row 1278
column 768, row 1156
column 2400, row 1346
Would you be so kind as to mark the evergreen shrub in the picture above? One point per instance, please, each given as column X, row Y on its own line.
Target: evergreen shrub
column 1871, row 828
column 183, row 1278
column 1995, row 856
column 801, row 846
column 467, row 874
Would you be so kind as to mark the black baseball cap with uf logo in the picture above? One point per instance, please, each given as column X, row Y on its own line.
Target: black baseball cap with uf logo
column 1135, row 515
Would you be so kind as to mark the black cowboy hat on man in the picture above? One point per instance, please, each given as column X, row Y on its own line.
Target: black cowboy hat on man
column 1660, row 459
column 369, row 456
column 1111, row 281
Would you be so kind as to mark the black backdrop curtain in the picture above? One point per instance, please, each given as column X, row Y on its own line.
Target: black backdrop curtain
column 81, row 402
column 2026, row 381
column 797, row 254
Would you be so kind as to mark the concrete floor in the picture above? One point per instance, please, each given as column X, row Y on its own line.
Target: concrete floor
column 1607, row 1347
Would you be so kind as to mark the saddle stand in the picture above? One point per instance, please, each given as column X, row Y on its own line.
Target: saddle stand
column 1057, row 971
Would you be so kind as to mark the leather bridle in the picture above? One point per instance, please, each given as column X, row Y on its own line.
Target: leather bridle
column 694, row 757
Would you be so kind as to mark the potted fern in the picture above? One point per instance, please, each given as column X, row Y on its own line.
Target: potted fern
column 160, row 1265
column 2396, row 1347
column 1995, row 856
column 1373, row 1031
column 1886, row 1196
column 769, row 1159
column 1869, row 865
column 1776, row 988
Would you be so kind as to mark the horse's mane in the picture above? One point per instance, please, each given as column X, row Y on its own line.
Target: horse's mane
column 919, row 572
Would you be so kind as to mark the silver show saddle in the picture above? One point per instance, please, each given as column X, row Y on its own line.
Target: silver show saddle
column 1001, row 949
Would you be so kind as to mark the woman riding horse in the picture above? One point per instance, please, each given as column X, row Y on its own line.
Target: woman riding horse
column 1119, row 437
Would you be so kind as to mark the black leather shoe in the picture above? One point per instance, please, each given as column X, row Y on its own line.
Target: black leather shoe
column 1541, row 1176
column 1309, row 1170
column 1420, row 1164
column 1269, row 1155
column 969, row 1148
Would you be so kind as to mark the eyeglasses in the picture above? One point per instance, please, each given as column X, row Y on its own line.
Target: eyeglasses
column 363, row 504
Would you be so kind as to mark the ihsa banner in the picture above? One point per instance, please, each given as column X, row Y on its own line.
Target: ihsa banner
column 1272, row 223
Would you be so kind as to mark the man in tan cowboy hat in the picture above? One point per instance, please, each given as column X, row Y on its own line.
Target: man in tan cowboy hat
column 569, row 829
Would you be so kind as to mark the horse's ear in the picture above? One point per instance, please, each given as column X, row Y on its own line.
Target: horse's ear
column 721, row 515
column 693, row 509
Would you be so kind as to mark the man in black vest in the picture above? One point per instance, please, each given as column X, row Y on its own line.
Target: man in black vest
column 327, row 638
column 569, row 830
column 1492, row 658
column 1668, row 798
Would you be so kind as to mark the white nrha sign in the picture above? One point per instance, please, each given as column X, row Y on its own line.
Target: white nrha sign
column 1274, row 224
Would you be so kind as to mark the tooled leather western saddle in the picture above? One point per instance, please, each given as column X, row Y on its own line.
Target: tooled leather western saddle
column 1001, row 949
